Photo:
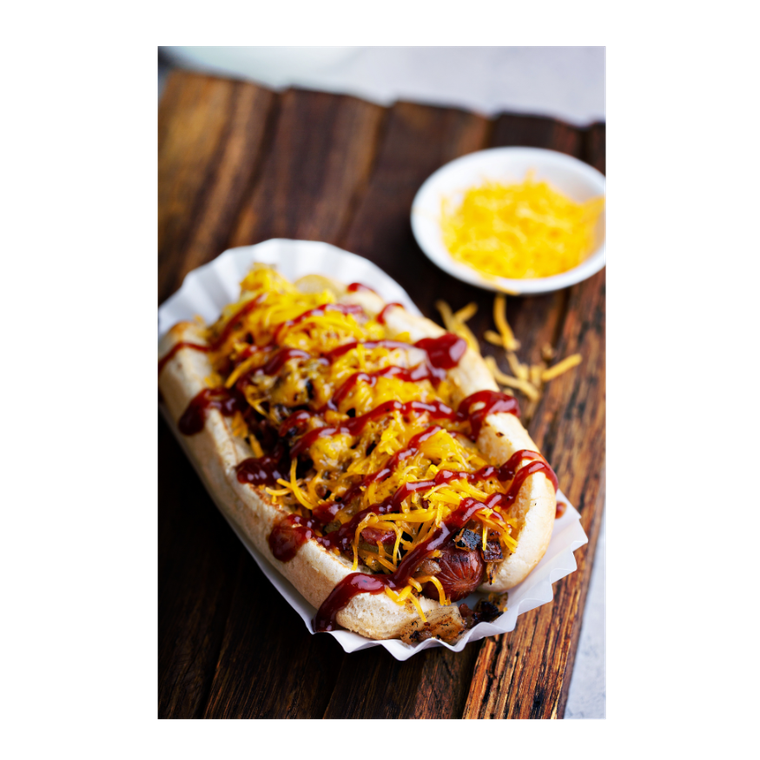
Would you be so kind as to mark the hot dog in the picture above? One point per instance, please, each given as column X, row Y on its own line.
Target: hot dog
column 366, row 452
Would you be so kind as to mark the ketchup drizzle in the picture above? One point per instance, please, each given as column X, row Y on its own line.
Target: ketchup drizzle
column 289, row 535
column 413, row 375
column 319, row 311
column 277, row 362
column 234, row 319
column 194, row 417
column 357, row 287
column 327, row 511
column 357, row 583
column 331, row 356
column 443, row 353
column 381, row 315
column 493, row 402
column 262, row 471
column 176, row 347
column 354, row 426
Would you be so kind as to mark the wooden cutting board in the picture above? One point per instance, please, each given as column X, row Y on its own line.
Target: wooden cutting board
column 239, row 164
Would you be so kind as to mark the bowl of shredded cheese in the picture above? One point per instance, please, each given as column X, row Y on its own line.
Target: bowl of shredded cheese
column 518, row 220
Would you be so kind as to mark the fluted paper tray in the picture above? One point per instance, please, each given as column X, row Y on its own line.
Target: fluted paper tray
column 209, row 288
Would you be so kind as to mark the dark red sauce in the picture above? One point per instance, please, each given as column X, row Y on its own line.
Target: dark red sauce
column 413, row 375
column 343, row 593
column 359, row 583
column 353, row 584
column 444, row 352
column 561, row 508
column 354, row 426
column 378, row 536
column 194, row 417
column 331, row 356
column 295, row 421
column 343, row 536
column 235, row 319
column 277, row 362
column 248, row 306
column 262, row 471
column 327, row 512
column 381, row 315
column 319, row 311
column 357, row 287
column 493, row 402
column 176, row 347
column 509, row 469
column 289, row 535
column 292, row 532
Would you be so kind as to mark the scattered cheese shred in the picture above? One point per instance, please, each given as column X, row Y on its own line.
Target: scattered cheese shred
column 510, row 382
column 563, row 366
column 467, row 312
column 500, row 317
column 494, row 338
column 456, row 325
column 528, row 379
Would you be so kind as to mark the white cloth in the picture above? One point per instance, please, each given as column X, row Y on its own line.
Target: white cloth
column 563, row 82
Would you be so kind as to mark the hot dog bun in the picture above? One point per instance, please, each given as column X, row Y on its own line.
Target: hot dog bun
column 217, row 452
column 500, row 437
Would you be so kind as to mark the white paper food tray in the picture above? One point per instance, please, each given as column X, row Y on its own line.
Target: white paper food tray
column 209, row 288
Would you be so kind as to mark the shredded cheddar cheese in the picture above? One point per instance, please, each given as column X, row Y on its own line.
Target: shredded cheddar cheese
column 519, row 231
column 455, row 323
column 500, row 317
column 305, row 364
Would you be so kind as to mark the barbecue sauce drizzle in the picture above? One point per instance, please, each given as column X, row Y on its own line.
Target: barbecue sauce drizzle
column 293, row 531
column 358, row 583
column 442, row 353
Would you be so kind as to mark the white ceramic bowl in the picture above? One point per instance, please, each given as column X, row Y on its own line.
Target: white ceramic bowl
column 572, row 177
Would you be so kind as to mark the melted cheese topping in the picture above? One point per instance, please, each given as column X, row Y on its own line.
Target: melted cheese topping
column 519, row 231
column 265, row 321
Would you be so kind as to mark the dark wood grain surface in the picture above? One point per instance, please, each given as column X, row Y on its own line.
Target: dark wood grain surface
column 239, row 164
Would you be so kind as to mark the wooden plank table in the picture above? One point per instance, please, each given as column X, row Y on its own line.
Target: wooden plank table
column 239, row 164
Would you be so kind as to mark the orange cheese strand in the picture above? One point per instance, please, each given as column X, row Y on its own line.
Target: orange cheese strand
column 252, row 334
